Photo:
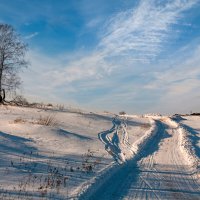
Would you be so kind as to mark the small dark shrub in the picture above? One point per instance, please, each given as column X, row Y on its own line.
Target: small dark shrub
column 122, row 112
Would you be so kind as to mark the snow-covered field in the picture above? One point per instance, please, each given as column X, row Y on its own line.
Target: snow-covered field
column 58, row 159
column 68, row 154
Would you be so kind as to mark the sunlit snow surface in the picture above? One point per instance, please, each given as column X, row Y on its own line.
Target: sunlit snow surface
column 53, row 161
column 71, row 154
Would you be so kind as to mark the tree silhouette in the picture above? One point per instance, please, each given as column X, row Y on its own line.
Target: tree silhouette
column 12, row 59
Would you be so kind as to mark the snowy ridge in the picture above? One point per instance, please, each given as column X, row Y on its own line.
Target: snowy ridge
column 94, row 184
column 139, row 144
column 187, row 148
column 185, row 144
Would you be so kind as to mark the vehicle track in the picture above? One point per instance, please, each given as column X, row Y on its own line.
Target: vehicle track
column 160, row 171
column 116, row 140
column 172, row 182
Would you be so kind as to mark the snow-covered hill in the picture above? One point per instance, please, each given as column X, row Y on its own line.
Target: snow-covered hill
column 54, row 154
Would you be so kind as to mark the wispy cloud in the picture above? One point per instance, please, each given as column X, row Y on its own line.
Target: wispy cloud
column 173, row 88
column 129, row 40
column 32, row 35
column 180, row 70
column 137, row 35
column 94, row 22
column 143, row 31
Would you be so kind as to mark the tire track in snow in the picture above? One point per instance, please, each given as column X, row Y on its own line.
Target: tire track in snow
column 188, row 182
column 145, row 162
column 158, row 172
column 171, row 185
column 111, row 186
column 116, row 146
column 181, row 164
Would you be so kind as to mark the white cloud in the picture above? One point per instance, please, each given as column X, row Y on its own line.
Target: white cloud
column 172, row 88
column 129, row 39
column 142, row 31
column 94, row 22
column 135, row 35
column 32, row 35
column 178, row 85
column 180, row 69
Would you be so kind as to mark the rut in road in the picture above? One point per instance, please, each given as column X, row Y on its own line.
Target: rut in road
column 164, row 173
column 116, row 141
column 159, row 172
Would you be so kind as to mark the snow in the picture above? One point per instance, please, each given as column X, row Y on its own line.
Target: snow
column 71, row 154
column 190, row 133
column 59, row 160
column 159, row 171
column 139, row 144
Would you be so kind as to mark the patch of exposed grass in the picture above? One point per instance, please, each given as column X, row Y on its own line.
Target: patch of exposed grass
column 49, row 120
column 19, row 120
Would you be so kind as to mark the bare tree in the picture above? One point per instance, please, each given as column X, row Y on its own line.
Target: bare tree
column 12, row 59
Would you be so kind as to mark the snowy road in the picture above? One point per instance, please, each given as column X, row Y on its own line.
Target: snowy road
column 160, row 171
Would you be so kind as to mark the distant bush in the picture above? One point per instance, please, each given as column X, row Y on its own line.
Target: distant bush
column 19, row 120
column 197, row 114
column 122, row 112
column 20, row 100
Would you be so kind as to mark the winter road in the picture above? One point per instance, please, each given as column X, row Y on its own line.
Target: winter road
column 160, row 171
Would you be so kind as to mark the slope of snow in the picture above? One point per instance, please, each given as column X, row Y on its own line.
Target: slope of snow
column 190, row 136
column 186, row 141
column 49, row 154
column 142, row 141
column 57, row 161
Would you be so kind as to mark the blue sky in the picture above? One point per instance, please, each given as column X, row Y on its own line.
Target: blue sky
column 139, row 56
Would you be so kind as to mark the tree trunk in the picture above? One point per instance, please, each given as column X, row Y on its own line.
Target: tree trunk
column 1, row 72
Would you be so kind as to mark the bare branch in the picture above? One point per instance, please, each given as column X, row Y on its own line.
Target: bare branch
column 12, row 58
